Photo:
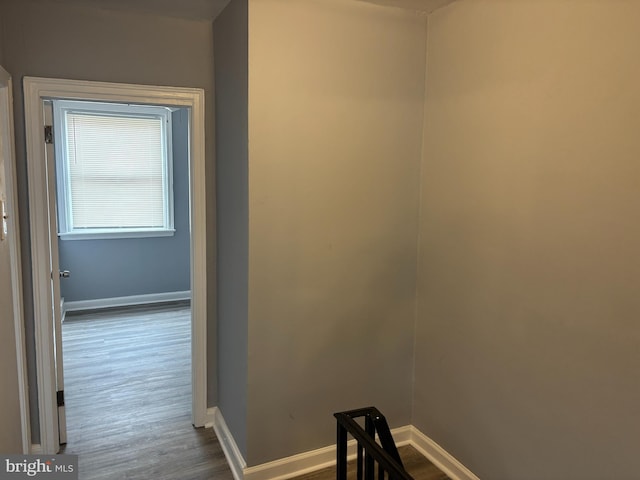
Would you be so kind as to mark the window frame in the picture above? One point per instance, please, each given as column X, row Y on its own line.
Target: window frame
column 63, row 184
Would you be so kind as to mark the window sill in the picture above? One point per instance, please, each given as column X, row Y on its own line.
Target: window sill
column 113, row 234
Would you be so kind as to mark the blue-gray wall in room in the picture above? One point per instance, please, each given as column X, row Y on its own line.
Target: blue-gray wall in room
column 136, row 266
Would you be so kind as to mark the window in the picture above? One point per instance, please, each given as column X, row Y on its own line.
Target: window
column 114, row 175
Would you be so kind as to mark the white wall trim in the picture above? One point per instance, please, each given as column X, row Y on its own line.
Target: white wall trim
column 228, row 443
column 8, row 144
column 36, row 449
column 41, row 274
column 37, row 89
column 313, row 460
column 211, row 417
column 440, row 457
column 402, row 435
column 99, row 303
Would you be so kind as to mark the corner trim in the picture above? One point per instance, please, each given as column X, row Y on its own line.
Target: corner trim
column 210, row 417
column 313, row 460
column 440, row 457
column 402, row 435
column 227, row 442
column 99, row 303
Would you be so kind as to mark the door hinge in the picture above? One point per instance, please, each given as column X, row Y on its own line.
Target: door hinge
column 60, row 396
column 48, row 134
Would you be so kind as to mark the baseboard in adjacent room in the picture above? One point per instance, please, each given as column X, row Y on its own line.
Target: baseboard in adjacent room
column 227, row 442
column 100, row 303
column 36, row 449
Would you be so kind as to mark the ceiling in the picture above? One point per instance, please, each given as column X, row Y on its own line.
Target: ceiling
column 209, row 9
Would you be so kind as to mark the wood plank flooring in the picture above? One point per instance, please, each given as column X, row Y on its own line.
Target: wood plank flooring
column 128, row 397
column 417, row 465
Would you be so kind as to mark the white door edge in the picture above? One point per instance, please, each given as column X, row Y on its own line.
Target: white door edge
column 37, row 89
column 6, row 108
column 55, row 278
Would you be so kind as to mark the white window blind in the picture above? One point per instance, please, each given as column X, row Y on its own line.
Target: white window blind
column 115, row 172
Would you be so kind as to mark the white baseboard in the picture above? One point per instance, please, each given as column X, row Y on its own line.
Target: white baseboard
column 36, row 449
column 402, row 435
column 313, row 460
column 227, row 442
column 125, row 301
column 440, row 457
column 295, row 465
column 290, row 467
column 211, row 417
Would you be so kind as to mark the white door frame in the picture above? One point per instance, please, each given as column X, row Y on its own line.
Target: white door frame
column 35, row 91
column 8, row 145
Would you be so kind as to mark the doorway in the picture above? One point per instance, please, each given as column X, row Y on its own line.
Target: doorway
column 43, row 248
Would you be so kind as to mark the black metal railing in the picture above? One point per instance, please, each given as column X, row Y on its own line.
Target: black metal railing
column 374, row 461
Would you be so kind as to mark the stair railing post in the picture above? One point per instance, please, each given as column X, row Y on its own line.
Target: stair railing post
column 341, row 459
column 369, row 467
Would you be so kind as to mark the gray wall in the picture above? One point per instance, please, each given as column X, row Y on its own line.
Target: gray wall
column 41, row 39
column 1, row 36
column 136, row 266
column 336, row 95
column 230, row 47
column 528, row 333
column 10, row 428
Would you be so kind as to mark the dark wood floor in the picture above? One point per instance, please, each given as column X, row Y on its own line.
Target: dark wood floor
column 414, row 462
column 128, row 397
